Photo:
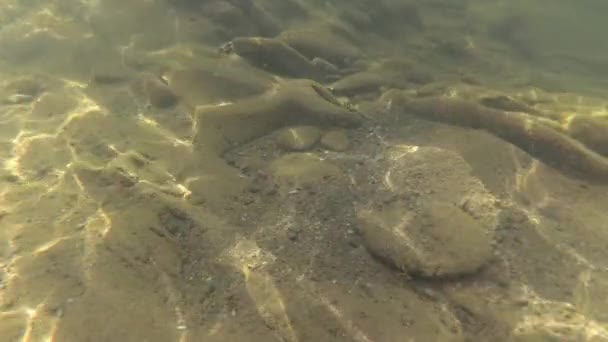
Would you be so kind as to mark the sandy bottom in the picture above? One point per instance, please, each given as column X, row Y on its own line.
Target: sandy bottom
column 126, row 216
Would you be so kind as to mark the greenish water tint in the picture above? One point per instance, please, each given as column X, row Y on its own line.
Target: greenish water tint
column 287, row 170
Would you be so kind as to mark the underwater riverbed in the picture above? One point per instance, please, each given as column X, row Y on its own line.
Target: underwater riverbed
column 289, row 170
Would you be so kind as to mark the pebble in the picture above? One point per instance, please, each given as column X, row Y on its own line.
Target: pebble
column 296, row 171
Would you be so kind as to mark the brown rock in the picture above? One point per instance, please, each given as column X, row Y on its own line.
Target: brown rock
column 437, row 240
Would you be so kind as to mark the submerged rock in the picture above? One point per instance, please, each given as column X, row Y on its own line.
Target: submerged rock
column 297, row 171
column 431, row 218
column 437, row 240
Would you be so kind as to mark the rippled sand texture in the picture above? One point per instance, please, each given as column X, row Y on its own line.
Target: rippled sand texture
column 223, row 170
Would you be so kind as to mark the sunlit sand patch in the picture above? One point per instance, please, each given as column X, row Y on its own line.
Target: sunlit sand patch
column 40, row 325
column 160, row 179
column 162, row 131
column 567, row 120
column 562, row 247
column 37, row 155
column 52, row 243
column 7, row 265
column 24, row 138
column 86, row 108
column 526, row 182
column 184, row 191
column 537, row 220
column 316, row 296
column 248, row 258
column 251, row 261
column 13, row 324
column 96, row 229
column 76, row 179
column 582, row 298
column 558, row 319
column 269, row 302
column 347, row 324
column 36, row 326
column 173, row 300
column 60, row 177
column 16, row 230
column 246, row 253
column 599, row 112
column 60, row 26
column 19, row 147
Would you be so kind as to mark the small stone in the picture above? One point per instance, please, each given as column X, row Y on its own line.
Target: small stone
column 298, row 138
column 336, row 141
column 296, row 171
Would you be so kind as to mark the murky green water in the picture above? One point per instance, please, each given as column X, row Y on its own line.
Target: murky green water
column 289, row 170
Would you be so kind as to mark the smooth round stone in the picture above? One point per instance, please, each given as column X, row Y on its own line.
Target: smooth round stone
column 304, row 170
column 336, row 141
column 435, row 240
column 300, row 138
